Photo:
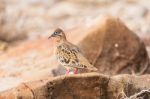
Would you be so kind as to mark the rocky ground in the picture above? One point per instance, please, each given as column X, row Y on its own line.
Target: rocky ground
column 26, row 53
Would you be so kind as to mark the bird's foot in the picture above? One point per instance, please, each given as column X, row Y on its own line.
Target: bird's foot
column 76, row 71
column 67, row 72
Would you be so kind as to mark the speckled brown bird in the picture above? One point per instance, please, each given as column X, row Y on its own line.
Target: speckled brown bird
column 68, row 54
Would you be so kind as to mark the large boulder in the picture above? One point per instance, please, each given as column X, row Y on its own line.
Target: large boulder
column 113, row 48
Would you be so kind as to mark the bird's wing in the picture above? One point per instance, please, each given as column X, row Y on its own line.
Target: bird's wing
column 69, row 55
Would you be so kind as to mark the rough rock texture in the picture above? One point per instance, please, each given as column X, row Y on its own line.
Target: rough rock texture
column 144, row 94
column 81, row 86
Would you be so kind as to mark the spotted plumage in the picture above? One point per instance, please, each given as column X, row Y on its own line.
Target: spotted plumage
column 68, row 54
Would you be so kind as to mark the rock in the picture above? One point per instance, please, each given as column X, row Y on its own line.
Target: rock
column 81, row 86
column 144, row 94
column 114, row 49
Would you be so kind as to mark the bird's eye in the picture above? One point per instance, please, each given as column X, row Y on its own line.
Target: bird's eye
column 56, row 33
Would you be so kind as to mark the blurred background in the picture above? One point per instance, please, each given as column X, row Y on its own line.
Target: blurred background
column 25, row 25
column 30, row 19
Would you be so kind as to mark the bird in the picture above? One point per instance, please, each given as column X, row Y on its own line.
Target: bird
column 68, row 54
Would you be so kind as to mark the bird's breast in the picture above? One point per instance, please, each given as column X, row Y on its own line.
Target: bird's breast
column 62, row 56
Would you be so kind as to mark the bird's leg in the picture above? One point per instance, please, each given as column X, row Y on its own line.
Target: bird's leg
column 76, row 71
column 68, row 71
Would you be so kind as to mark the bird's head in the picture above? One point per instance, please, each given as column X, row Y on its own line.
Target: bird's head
column 59, row 35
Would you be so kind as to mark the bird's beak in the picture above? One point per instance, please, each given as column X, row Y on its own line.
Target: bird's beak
column 51, row 36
